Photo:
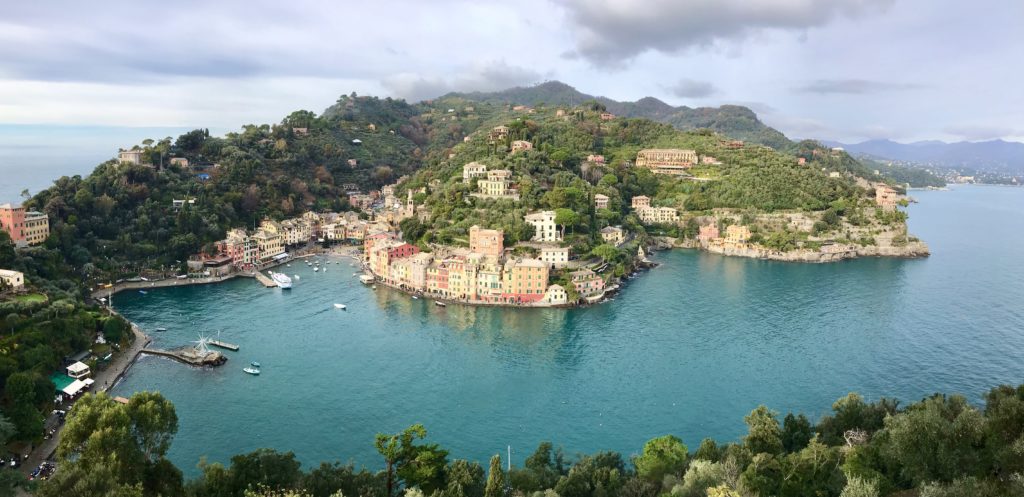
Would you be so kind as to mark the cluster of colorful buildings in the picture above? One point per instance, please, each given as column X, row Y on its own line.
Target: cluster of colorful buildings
column 484, row 273
column 24, row 227
column 269, row 242
column 736, row 236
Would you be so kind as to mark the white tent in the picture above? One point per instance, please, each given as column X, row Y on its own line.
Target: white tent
column 75, row 387
column 78, row 370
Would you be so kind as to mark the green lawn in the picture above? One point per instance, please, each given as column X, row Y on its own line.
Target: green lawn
column 32, row 297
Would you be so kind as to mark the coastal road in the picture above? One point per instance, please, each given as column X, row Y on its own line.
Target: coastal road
column 105, row 379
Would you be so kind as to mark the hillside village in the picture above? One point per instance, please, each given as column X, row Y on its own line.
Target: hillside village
column 572, row 194
column 531, row 260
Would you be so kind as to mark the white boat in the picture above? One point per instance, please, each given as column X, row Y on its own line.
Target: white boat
column 252, row 371
column 281, row 279
column 340, row 306
column 440, row 304
column 316, row 269
column 415, row 297
column 366, row 279
column 297, row 277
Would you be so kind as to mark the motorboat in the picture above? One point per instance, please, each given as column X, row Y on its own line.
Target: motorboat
column 251, row 370
column 340, row 306
column 161, row 329
column 143, row 292
column 440, row 304
column 281, row 279
column 365, row 279
column 254, row 364
column 315, row 269
column 297, row 277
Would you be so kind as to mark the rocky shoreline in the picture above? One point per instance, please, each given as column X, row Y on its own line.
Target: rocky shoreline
column 831, row 253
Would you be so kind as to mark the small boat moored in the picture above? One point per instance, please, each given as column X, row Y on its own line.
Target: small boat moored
column 161, row 329
column 340, row 306
column 252, row 371
column 254, row 364
column 440, row 304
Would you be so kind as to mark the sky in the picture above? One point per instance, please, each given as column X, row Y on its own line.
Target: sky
column 845, row 70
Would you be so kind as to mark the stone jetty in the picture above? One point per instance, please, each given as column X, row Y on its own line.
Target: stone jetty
column 191, row 356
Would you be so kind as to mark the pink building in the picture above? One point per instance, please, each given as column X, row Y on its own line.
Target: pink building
column 708, row 232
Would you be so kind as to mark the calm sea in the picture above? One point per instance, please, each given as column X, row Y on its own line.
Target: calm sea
column 32, row 156
column 687, row 348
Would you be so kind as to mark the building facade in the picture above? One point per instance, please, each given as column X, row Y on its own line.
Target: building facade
column 600, row 201
column 555, row 257
column 658, row 215
column 473, row 170
column 14, row 280
column 521, row 145
column 544, row 227
column 24, row 227
column 672, row 161
column 486, row 242
column 525, row 281
column 613, row 235
column 498, row 183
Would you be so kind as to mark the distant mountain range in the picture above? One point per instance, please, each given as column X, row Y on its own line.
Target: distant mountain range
column 735, row 121
column 994, row 155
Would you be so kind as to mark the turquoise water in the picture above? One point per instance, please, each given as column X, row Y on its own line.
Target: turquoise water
column 687, row 348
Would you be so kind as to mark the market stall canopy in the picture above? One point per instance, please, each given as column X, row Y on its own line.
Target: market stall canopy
column 75, row 387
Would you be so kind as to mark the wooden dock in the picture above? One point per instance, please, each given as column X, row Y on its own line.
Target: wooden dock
column 267, row 282
column 224, row 345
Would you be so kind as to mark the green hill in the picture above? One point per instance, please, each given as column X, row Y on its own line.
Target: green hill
column 731, row 120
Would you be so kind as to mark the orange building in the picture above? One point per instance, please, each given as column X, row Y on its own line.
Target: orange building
column 525, row 280
column 486, row 242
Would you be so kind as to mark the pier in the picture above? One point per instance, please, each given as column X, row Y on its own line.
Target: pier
column 224, row 345
column 265, row 280
column 190, row 356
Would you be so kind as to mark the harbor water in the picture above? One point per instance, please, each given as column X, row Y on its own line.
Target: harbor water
column 688, row 348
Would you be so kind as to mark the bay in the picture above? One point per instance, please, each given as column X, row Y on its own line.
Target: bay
column 688, row 348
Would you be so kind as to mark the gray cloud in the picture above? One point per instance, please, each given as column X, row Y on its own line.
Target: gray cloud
column 490, row 76
column 691, row 88
column 611, row 32
column 854, row 86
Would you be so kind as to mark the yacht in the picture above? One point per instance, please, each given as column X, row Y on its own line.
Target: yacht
column 251, row 370
column 281, row 279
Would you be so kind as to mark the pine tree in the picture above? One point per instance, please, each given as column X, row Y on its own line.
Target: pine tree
column 495, row 479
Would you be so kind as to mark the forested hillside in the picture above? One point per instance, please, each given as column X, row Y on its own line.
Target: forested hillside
column 731, row 120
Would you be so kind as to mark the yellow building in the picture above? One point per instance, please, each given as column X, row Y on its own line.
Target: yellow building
column 497, row 184
column 671, row 161
column 269, row 245
column 737, row 234
column 658, row 215
column 613, row 235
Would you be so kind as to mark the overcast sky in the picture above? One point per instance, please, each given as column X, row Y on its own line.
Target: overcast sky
column 847, row 70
